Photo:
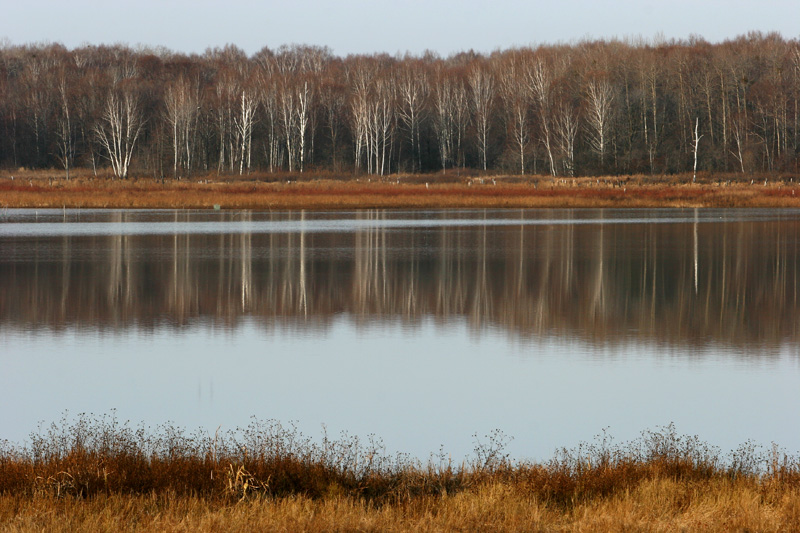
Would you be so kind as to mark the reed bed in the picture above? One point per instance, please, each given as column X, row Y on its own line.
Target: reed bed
column 94, row 473
column 324, row 191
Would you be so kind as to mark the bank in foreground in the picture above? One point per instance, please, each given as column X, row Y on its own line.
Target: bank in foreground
column 411, row 191
column 96, row 474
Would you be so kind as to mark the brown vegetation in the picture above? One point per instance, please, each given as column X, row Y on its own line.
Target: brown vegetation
column 590, row 108
column 97, row 474
column 325, row 191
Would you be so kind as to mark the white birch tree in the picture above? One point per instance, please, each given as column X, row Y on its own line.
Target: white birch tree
column 695, row 145
column 267, row 87
column 599, row 99
column 181, row 111
column 540, row 81
column 305, row 97
column 444, row 103
column 382, row 111
column 515, row 99
column 227, row 89
column 288, row 118
column 119, row 128
column 360, row 78
column 413, row 87
column 566, row 130
column 65, row 127
column 482, row 87
column 461, row 117
column 244, row 122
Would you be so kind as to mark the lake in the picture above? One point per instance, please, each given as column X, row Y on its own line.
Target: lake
column 424, row 328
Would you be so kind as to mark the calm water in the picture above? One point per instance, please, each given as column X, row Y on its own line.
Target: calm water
column 423, row 328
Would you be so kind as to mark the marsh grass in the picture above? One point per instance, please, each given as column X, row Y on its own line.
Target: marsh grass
column 324, row 190
column 276, row 476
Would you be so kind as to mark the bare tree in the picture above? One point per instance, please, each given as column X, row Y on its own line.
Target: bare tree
column 181, row 110
column 288, row 117
column 461, row 116
column 266, row 79
column 38, row 99
column 305, row 96
column 244, row 122
column 272, row 144
column 119, row 128
column 65, row 126
column 566, row 129
column 650, row 72
column 90, row 99
column 226, row 90
column 360, row 76
column 334, row 102
column 295, row 99
column 413, row 88
column 540, row 80
column 444, row 115
column 515, row 99
column 302, row 67
column 695, row 144
column 482, row 86
column 383, row 121
column 739, row 133
column 599, row 99
column 795, row 61
column 373, row 112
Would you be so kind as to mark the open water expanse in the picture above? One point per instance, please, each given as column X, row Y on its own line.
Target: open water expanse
column 424, row 328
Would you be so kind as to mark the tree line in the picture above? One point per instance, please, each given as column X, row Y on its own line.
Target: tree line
column 591, row 108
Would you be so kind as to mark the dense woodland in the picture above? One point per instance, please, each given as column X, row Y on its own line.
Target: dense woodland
column 591, row 108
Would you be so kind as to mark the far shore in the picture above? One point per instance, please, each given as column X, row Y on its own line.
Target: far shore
column 455, row 189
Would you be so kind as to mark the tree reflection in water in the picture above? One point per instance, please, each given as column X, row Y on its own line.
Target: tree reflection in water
column 692, row 281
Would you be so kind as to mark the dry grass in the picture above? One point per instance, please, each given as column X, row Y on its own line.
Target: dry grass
column 656, row 505
column 99, row 475
column 323, row 191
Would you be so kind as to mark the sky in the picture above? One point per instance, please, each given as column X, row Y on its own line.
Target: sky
column 391, row 26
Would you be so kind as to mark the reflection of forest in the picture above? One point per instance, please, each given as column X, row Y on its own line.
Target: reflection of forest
column 728, row 282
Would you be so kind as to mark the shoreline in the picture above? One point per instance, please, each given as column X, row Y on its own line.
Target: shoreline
column 286, row 192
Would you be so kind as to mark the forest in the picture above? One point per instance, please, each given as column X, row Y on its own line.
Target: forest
column 589, row 108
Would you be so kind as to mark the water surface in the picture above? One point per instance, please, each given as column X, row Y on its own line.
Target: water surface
column 423, row 328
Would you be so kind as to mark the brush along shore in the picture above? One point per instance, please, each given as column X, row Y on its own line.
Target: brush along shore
column 97, row 474
column 41, row 189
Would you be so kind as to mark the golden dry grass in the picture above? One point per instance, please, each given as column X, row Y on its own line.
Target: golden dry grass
column 41, row 190
column 98, row 475
column 652, row 505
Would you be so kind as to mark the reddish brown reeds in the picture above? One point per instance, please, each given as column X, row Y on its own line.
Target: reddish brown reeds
column 325, row 191
column 99, row 474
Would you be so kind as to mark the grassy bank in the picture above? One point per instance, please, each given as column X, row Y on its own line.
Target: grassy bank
column 97, row 474
column 42, row 189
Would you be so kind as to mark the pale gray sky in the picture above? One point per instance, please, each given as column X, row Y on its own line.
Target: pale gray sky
column 367, row 26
